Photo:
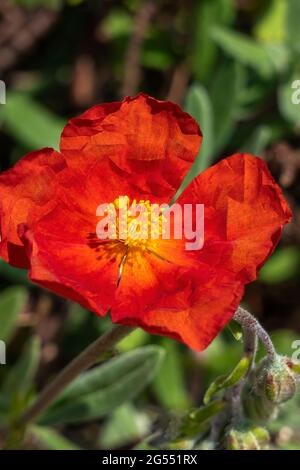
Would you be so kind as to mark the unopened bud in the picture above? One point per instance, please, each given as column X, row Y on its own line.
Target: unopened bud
column 275, row 380
column 255, row 438
column 256, row 407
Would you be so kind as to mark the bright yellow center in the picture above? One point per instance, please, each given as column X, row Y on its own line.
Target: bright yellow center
column 141, row 222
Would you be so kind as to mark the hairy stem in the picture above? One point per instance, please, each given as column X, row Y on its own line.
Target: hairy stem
column 82, row 362
column 254, row 328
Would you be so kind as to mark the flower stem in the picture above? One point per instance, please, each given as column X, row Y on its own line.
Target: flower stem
column 253, row 328
column 82, row 362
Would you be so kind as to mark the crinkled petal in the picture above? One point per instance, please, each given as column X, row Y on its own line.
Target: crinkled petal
column 26, row 193
column 189, row 305
column 153, row 141
column 245, row 212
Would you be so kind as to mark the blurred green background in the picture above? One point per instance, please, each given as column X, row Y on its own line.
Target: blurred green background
column 231, row 64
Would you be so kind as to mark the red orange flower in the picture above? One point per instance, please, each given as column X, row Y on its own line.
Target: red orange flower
column 141, row 148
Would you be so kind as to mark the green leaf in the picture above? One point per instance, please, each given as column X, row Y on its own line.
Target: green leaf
column 244, row 50
column 197, row 420
column 135, row 340
column 208, row 13
column 117, row 24
column 15, row 275
column 199, row 105
column 258, row 140
column 282, row 266
column 236, row 330
column 229, row 380
column 101, row 390
column 11, row 302
column 224, row 92
column 49, row 439
column 19, row 380
column 124, row 427
column 31, row 123
column 169, row 383
column 271, row 27
column 293, row 30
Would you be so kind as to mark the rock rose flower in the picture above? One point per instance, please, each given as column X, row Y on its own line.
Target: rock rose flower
column 142, row 149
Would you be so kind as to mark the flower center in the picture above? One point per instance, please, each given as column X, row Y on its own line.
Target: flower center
column 137, row 224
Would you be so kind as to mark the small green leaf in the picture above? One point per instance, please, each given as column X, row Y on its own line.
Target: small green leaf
column 292, row 19
column 50, row 439
column 224, row 92
column 271, row 26
column 282, row 266
column 125, row 426
column 197, row 420
column 236, row 330
column 135, row 340
column 229, row 380
column 244, row 50
column 11, row 302
column 30, row 123
column 169, row 383
column 99, row 391
column 207, row 14
column 20, row 377
column 199, row 105
column 117, row 24
column 14, row 275
column 258, row 140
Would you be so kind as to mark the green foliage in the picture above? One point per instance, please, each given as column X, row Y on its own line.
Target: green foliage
column 33, row 125
column 240, row 65
column 20, row 378
column 12, row 300
column 49, row 439
column 169, row 383
column 282, row 266
column 125, row 426
column 198, row 420
column 208, row 14
column 229, row 380
column 99, row 391
column 244, row 50
column 199, row 105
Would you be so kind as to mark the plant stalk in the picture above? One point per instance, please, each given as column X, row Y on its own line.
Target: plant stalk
column 254, row 328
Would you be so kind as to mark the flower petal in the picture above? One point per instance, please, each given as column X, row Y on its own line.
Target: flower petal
column 191, row 306
column 26, row 192
column 153, row 141
column 65, row 253
column 67, row 258
column 245, row 212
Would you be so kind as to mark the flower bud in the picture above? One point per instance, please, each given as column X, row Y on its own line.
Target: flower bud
column 254, row 438
column 275, row 380
column 256, row 407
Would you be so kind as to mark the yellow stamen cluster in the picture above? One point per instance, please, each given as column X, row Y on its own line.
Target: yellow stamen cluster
column 141, row 222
